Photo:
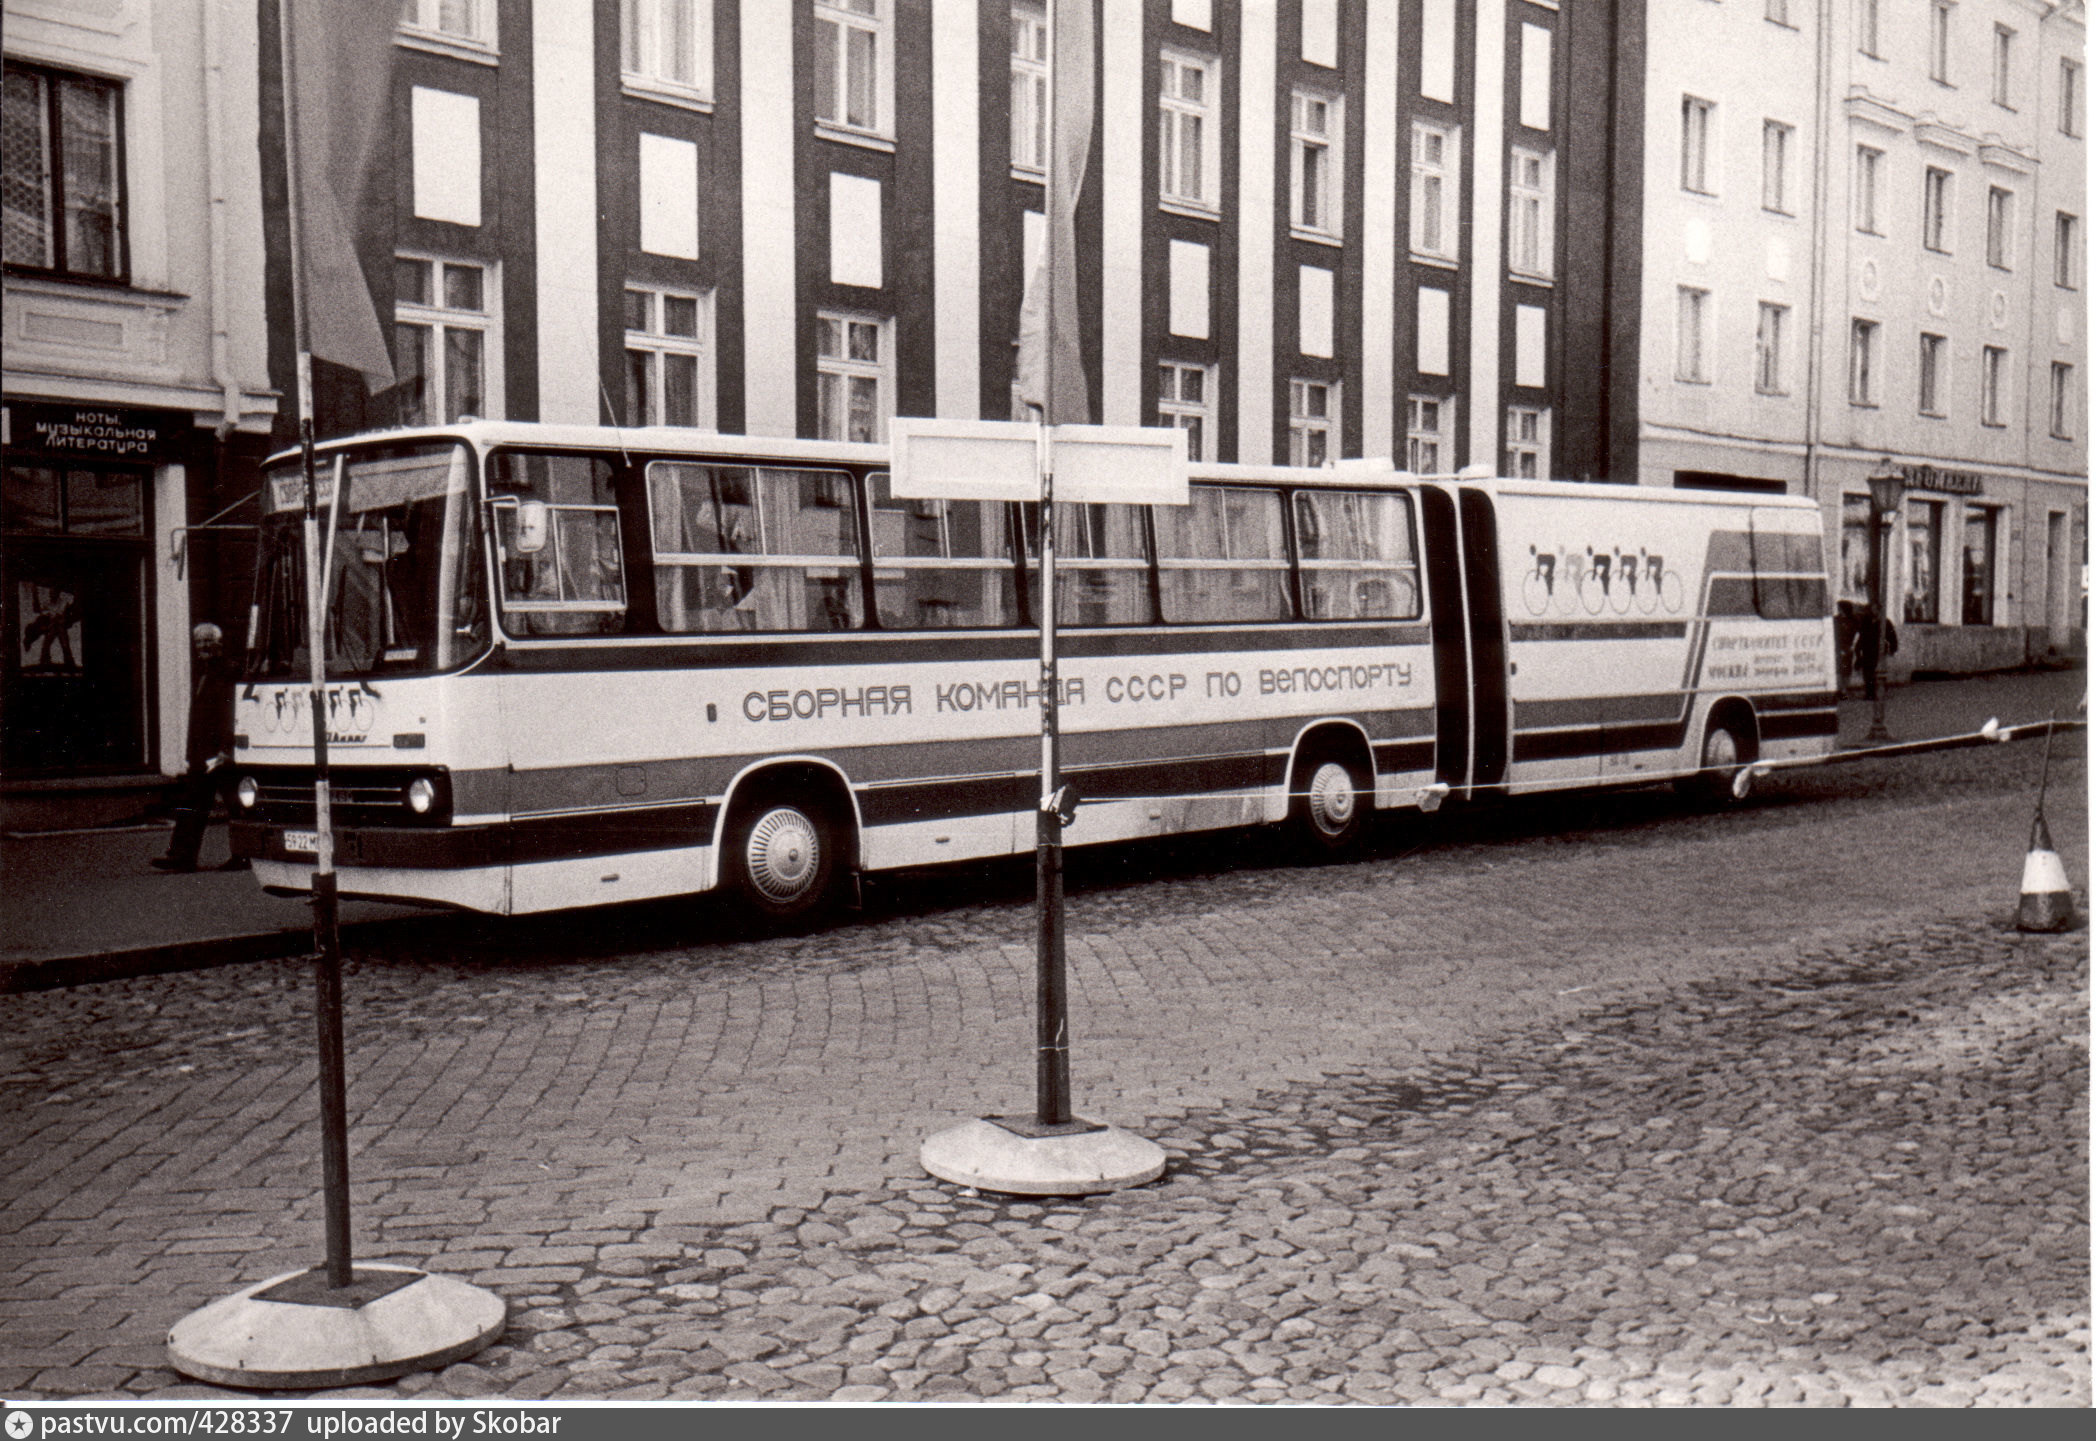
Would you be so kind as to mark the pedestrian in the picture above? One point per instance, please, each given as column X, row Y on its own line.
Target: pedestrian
column 210, row 756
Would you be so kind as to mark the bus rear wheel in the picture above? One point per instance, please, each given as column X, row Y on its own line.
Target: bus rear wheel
column 781, row 860
column 1329, row 811
column 1718, row 767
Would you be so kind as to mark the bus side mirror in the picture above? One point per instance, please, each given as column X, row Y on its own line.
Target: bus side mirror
column 530, row 536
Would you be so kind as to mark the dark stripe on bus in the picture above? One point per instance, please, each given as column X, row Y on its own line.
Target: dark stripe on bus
column 1597, row 630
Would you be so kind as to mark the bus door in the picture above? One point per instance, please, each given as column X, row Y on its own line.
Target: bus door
column 1488, row 654
column 1451, row 636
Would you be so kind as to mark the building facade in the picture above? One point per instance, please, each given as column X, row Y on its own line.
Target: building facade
column 1311, row 228
column 1864, row 255
column 137, row 397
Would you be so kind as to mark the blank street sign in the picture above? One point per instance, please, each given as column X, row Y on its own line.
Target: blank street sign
column 1000, row 460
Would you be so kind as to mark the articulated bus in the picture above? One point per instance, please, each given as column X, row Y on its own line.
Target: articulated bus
column 570, row 666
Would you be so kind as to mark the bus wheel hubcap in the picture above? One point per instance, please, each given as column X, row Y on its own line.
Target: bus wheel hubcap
column 782, row 854
column 1331, row 798
column 1721, row 750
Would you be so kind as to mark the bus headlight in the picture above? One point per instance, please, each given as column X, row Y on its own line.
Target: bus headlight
column 421, row 795
column 248, row 792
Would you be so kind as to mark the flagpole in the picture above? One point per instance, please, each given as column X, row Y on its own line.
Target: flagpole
column 327, row 941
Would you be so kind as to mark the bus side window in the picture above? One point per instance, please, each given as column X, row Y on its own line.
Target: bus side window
column 941, row 564
column 738, row 549
column 1102, row 564
column 1357, row 555
column 1222, row 556
column 1790, row 581
column 574, row 583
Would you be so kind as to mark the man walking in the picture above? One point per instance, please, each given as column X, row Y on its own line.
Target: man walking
column 210, row 751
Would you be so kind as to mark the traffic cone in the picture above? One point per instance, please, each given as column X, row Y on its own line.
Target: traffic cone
column 2047, row 902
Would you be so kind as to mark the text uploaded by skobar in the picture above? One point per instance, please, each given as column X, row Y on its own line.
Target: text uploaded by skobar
column 323, row 1423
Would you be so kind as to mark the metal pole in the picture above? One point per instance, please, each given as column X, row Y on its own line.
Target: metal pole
column 1874, row 674
column 327, row 957
column 1051, row 1010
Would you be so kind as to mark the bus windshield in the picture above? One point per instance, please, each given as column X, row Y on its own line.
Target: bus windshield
column 406, row 586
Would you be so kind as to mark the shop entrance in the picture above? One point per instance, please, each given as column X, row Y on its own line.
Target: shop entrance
column 73, row 620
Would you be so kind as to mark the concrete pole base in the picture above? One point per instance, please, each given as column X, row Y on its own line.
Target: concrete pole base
column 991, row 1157
column 295, row 1332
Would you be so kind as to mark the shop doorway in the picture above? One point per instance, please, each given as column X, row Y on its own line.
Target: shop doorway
column 73, row 620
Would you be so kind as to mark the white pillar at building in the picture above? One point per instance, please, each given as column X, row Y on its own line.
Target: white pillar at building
column 956, row 211
column 1255, row 236
column 564, row 155
column 770, row 242
column 1487, row 204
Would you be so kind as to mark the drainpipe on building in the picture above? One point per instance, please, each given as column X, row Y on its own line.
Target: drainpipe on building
column 1816, row 298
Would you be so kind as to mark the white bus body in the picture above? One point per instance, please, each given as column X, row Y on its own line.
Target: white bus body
column 573, row 666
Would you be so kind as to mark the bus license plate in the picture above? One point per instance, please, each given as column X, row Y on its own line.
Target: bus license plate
column 305, row 842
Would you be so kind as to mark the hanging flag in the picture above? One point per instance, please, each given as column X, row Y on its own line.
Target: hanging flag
column 1051, row 363
column 341, row 82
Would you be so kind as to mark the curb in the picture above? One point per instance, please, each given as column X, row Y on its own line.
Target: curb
column 56, row 972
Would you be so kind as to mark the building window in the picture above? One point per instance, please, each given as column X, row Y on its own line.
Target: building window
column 1314, row 188
column 1186, row 399
column 1531, row 214
column 1029, row 88
column 1869, row 164
column 444, row 340
column 669, row 379
column 2004, row 61
column 1924, row 561
column 2062, row 400
column 1698, row 118
column 1939, row 41
column 1768, row 350
column 852, row 388
column 1435, row 165
column 1691, row 335
column 1867, row 27
column 1186, row 116
column 2000, row 216
column 63, row 176
column 1855, row 547
column 1313, row 422
column 1994, row 380
column 2066, row 246
column 1863, row 362
column 2070, row 97
column 1528, row 442
column 851, row 56
column 1978, row 568
column 469, row 21
column 1775, row 166
column 1935, row 210
column 1933, row 349
column 669, row 42
column 1430, row 426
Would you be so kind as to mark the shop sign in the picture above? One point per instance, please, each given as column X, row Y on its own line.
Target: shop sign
column 93, row 432
column 1950, row 482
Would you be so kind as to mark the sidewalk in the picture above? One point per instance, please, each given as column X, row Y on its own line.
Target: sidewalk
column 88, row 906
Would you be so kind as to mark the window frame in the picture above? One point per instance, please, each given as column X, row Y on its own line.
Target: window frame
column 2070, row 117
column 842, row 16
column 1863, row 362
column 1937, row 198
column 2002, row 70
column 1535, row 447
column 1939, row 46
column 1994, row 386
column 1442, row 436
column 1866, row 190
column 1922, row 601
column 1031, row 73
column 440, row 320
column 1930, row 376
column 2001, row 225
column 1977, row 583
column 2066, row 250
column 1446, row 211
column 1328, row 149
column 1174, row 111
column 656, row 342
column 642, row 47
column 1698, row 144
column 1174, row 410
column 427, row 27
column 1776, row 140
column 1769, row 325
column 880, row 370
column 52, row 195
column 1867, row 33
column 2061, row 409
column 1303, row 427
column 1543, row 198
column 1692, row 314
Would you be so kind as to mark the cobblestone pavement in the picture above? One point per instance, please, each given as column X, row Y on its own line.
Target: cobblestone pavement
column 1605, row 1104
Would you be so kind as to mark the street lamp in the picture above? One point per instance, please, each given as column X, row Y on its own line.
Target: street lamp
column 1886, row 489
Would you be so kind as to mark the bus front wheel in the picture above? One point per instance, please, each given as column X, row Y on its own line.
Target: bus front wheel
column 1329, row 810
column 781, row 860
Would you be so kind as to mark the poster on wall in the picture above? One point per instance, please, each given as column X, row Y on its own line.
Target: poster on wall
column 50, row 630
